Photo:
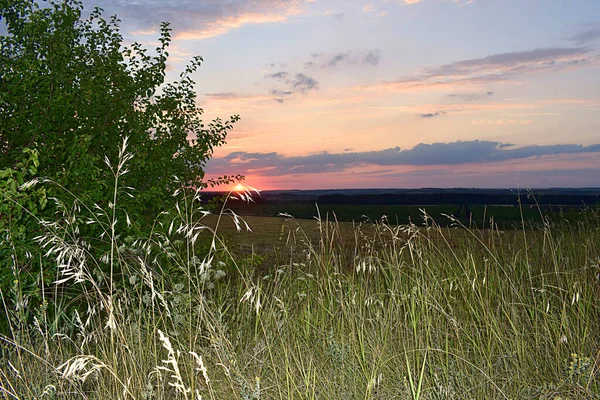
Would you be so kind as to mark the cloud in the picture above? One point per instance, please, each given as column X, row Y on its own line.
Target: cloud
column 336, row 59
column 431, row 115
column 587, row 34
column 278, row 75
column 299, row 83
column 303, row 83
column 372, row 9
column 458, row 108
column 470, row 96
column 202, row 19
column 454, row 153
column 369, row 58
column 493, row 68
column 281, row 93
column 372, row 57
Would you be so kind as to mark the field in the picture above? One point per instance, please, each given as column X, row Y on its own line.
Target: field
column 136, row 265
column 319, row 309
column 479, row 216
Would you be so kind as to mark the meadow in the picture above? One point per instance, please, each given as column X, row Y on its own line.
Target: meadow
column 204, row 308
column 119, row 281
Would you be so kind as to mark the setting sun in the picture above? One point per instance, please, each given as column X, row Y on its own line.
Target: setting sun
column 238, row 188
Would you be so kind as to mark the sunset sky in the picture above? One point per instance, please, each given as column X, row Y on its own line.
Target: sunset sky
column 391, row 93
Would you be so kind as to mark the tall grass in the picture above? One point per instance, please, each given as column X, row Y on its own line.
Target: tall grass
column 393, row 312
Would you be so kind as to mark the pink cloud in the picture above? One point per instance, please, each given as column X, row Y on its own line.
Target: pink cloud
column 202, row 19
column 505, row 67
column 223, row 25
column 547, row 171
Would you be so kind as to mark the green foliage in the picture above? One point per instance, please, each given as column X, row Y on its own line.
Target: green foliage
column 72, row 90
column 70, row 93
column 20, row 205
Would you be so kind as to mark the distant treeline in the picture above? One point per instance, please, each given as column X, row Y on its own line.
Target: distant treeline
column 460, row 198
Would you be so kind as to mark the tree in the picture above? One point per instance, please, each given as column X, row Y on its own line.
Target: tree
column 71, row 90
column 70, row 93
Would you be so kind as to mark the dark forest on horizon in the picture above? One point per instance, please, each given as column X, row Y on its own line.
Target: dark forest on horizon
column 504, row 207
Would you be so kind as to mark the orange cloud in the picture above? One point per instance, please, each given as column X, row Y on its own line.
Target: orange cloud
column 227, row 23
column 372, row 9
column 204, row 19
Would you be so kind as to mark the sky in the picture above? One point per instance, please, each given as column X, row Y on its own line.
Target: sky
column 391, row 93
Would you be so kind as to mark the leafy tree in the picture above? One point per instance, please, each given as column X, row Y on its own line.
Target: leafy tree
column 71, row 90
column 70, row 93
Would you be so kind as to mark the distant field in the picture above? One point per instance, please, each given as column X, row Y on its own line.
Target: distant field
column 480, row 216
column 270, row 235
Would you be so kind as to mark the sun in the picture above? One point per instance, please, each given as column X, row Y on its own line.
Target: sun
column 239, row 188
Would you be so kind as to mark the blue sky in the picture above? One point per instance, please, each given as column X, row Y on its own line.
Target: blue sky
column 352, row 93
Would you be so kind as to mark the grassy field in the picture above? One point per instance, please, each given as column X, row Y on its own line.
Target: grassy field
column 506, row 217
column 319, row 309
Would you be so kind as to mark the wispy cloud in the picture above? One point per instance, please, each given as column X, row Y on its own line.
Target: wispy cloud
column 303, row 83
column 281, row 93
column 374, row 10
column 431, row 115
column 336, row 59
column 493, row 68
column 348, row 58
column 298, row 83
column 586, row 34
column 278, row 75
column 202, row 19
column 547, row 171
column 459, row 108
column 454, row 153
column 470, row 96
column 288, row 86
column 372, row 57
